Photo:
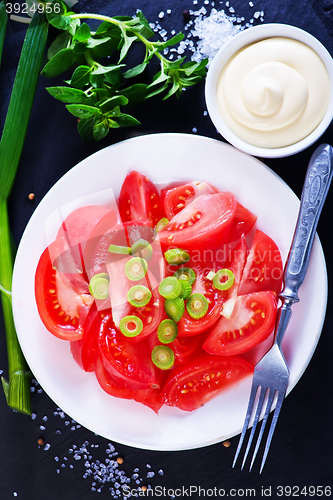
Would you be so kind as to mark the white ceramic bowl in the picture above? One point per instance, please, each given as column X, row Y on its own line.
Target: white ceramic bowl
column 240, row 41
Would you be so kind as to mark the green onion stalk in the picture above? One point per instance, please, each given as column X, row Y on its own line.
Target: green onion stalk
column 17, row 388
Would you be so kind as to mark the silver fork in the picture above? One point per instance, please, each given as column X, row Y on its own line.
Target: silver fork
column 271, row 374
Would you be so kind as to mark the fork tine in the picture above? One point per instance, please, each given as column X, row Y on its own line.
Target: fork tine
column 254, row 390
column 281, row 396
column 255, row 422
column 263, row 424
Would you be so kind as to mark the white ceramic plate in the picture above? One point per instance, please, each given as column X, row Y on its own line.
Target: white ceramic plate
column 164, row 158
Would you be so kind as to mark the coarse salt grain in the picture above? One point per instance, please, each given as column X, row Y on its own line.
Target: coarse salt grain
column 213, row 32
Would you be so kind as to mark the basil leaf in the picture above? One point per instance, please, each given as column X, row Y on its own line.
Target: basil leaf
column 127, row 42
column 98, row 69
column 136, row 93
column 82, row 34
column 83, row 111
column 100, row 130
column 69, row 95
column 110, row 104
column 59, row 63
column 59, row 43
column 57, row 17
column 137, row 70
column 81, row 76
column 94, row 42
column 96, row 81
column 124, row 120
column 85, row 129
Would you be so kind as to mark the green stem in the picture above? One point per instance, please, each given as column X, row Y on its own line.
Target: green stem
column 17, row 389
column 122, row 25
column 31, row 57
column 3, row 25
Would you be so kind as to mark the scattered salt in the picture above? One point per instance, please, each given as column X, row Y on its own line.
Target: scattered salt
column 47, row 447
column 213, row 32
column 161, row 15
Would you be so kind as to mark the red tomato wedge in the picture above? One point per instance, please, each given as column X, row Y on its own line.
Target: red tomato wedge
column 204, row 223
column 62, row 298
column 243, row 222
column 139, row 199
column 85, row 350
column 235, row 262
column 149, row 397
column 177, row 198
column 120, row 358
column 251, row 322
column 194, row 384
column 263, row 269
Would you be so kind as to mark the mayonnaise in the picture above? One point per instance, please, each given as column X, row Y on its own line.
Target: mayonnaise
column 274, row 93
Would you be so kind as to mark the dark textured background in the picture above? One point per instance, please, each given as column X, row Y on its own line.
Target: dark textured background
column 301, row 453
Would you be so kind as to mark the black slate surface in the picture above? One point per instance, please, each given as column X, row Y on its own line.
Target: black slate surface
column 300, row 455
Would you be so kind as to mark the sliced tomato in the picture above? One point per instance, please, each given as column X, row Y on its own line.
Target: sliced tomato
column 235, row 262
column 204, row 223
column 243, row 222
column 177, row 198
column 139, row 199
column 62, row 298
column 97, row 247
column 194, row 384
column 251, row 322
column 128, row 363
column 263, row 269
column 85, row 350
column 149, row 397
column 78, row 227
column 187, row 348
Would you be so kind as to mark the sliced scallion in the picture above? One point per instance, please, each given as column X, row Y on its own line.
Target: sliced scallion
column 224, row 279
column 185, row 274
column 163, row 357
column 131, row 326
column 174, row 308
column 136, row 268
column 197, row 305
column 139, row 296
column 99, row 286
column 170, row 288
column 167, row 331
column 142, row 248
column 176, row 256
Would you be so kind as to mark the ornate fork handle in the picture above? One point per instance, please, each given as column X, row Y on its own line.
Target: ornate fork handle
column 316, row 185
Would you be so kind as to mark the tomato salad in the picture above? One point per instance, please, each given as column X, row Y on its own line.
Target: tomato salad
column 165, row 298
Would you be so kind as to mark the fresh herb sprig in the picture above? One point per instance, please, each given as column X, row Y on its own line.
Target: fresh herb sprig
column 96, row 93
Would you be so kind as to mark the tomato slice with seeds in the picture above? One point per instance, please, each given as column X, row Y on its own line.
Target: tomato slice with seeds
column 194, row 384
column 204, row 223
column 139, row 199
column 177, row 198
column 120, row 358
column 251, row 322
column 62, row 298
column 263, row 269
